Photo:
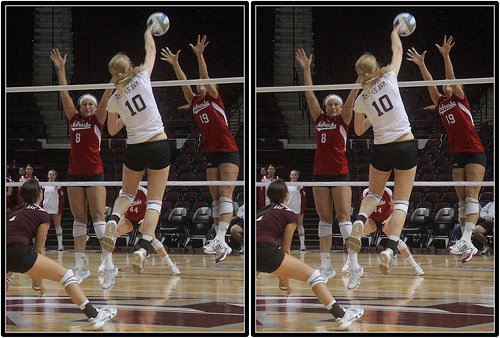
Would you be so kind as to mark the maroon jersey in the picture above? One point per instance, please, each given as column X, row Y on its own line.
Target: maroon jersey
column 85, row 155
column 212, row 122
column 455, row 114
column 270, row 227
column 137, row 209
column 384, row 208
column 331, row 137
column 22, row 228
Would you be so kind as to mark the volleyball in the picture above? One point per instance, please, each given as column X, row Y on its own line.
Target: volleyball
column 160, row 23
column 408, row 23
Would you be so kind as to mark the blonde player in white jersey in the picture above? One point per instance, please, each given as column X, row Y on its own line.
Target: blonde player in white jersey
column 295, row 203
column 133, row 105
column 395, row 148
column 53, row 203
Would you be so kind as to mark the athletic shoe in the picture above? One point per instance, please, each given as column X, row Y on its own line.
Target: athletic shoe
column 487, row 250
column 354, row 279
column 60, row 248
column 139, row 259
column 386, row 257
column 81, row 273
column 458, row 248
column 351, row 314
column 242, row 250
column 222, row 252
column 109, row 238
column 469, row 252
column 418, row 270
column 354, row 241
column 109, row 278
column 303, row 248
column 327, row 273
column 103, row 315
column 175, row 269
column 211, row 247
column 346, row 269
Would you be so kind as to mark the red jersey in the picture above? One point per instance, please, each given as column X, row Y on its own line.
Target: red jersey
column 137, row 209
column 212, row 122
column 270, row 227
column 85, row 155
column 331, row 137
column 384, row 208
column 22, row 228
column 455, row 115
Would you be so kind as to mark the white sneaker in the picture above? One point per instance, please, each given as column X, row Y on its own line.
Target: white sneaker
column 60, row 248
column 354, row 241
column 242, row 250
column 458, row 248
column 470, row 251
column 223, row 252
column 103, row 315
column 81, row 273
column 352, row 313
column 175, row 269
column 303, row 248
column 109, row 278
column 109, row 238
column 212, row 246
column 418, row 270
column 386, row 258
column 139, row 259
column 354, row 279
column 346, row 269
column 327, row 273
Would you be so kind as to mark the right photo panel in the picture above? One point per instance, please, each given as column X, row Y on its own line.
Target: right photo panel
column 374, row 163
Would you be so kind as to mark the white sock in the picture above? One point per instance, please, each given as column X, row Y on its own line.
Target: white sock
column 325, row 260
column 467, row 234
column 79, row 259
column 353, row 260
column 221, row 231
column 59, row 235
column 411, row 260
column 167, row 260
column 107, row 259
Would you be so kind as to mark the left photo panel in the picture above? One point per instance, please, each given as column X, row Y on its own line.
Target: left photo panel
column 124, row 140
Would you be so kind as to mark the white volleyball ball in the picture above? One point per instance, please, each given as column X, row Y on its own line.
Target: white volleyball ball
column 408, row 23
column 160, row 23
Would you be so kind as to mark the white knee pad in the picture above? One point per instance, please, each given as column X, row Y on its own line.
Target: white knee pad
column 154, row 205
column 99, row 228
column 376, row 197
column 68, row 278
column 215, row 209
column 401, row 205
column 225, row 205
column 315, row 278
column 300, row 230
column 156, row 244
column 461, row 209
column 324, row 229
column 79, row 229
column 472, row 206
column 402, row 245
column 345, row 229
column 126, row 195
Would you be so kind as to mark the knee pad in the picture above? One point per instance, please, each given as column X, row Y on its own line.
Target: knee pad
column 461, row 209
column 79, row 229
column 154, row 205
column 345, row 229
column 68, row 278
column 156, row 244
column 472, row 206
column 402, row 246
column 324, row 229
column 225, row 205
column 99, row 228
column 215, row 209
column 374, row 196
column 315, row 278
column 126, row 195
column 401, row 205
column 300, row 230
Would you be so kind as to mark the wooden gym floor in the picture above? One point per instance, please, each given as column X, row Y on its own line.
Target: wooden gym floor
column 204, row 297
column 450, row 297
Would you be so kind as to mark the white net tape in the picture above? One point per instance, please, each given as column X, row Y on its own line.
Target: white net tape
column 143, row 183
column 365, row 184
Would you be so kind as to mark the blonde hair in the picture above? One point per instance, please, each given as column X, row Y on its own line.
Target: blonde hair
column 368, row 68
column 122, row 69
